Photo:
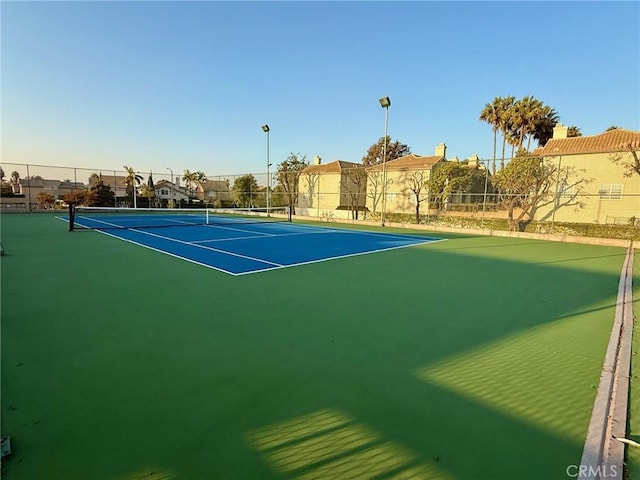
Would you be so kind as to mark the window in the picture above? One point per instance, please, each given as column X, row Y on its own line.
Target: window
column 566, row 190
column 610, row 191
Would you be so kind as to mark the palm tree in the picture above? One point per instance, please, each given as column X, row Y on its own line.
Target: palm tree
column 505, row 125
column 189, row 179
column 193, row 180
column 543, row 129
column 527, row 110
column 573, row 131
column 131, row 180
column 491, row 115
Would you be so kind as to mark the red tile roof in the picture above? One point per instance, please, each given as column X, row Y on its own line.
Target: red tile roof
column 612, row 141
column 332, row 167
column 409, row 162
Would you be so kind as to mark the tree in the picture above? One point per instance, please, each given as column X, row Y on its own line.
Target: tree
column 1, row 174
column 394, row 150
column 192, row 181
column 94, row 179
column 148, row 190
column 244, row 188
column 78, row 197
column 288, row 176
column 544, row 124
column 446, row 179
column 628, row 158
column 354, row 182
column 612, row 127
column 527, row 112
column 505, row 116
column 375, row 187
column 523, row 185
column 573, row 131
column 491, row 115
column 417, row 183
column 131, row 181
column 45, row 200
column 99, row 194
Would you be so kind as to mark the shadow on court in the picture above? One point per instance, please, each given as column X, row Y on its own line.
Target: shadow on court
column 422, row 361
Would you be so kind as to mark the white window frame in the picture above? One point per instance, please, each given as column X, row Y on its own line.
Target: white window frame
column 611, row 191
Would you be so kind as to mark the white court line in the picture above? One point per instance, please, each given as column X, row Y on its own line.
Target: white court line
column 208, row 248
column 115, row 225
column 240, row 230
column 345, row 256
column 254, row 237
column 173, row 254
column 366, row 232
column 278, row 266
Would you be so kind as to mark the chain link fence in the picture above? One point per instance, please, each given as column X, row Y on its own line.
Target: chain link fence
column 355, row 194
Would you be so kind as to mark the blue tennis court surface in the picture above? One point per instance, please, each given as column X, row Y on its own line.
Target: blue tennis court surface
column 257, row 247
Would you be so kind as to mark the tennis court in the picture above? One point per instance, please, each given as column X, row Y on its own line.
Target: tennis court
column 237, row 241
column 471, row 358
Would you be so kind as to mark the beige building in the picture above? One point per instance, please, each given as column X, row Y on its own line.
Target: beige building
column 336, row 189
column 212, row 190
column 27, row 189
column 115, row 183
column 406, row 179
column 602, row 189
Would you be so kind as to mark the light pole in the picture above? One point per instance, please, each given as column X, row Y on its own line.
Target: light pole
column 484, row 198
column 170, row 189
column 266, row 129
column 135, row 190
column 384, row 103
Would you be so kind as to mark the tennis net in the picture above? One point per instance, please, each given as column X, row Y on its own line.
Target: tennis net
column 107, row 218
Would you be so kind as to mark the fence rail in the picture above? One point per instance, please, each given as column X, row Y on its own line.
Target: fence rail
column 348, row 194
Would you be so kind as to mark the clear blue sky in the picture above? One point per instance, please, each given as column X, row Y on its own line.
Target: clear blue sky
column 188, row 84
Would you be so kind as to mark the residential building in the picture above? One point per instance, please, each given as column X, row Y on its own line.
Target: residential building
column 406, row 179
column 115, row 183
column 336, row 188
column 215, row 191
column 599, row 189
column 165, row 190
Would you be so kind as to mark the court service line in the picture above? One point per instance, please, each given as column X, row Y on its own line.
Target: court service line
column 346, row 256
column 365, row 232
column 169, row 253
column 254, row 237
column 239, row 255
column 98, row 221
column 239, row 230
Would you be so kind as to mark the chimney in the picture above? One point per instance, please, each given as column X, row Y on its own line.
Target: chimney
column 317, row 160
column 473, row 160
column 560, row 131
column 441, row 150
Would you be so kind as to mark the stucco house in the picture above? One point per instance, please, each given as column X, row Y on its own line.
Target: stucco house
column 602, row 189
column 166, row 191
column 406, row 177
column 212, row 190
column 115, row 183
column 336, row 188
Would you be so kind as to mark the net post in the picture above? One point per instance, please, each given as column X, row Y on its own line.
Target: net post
column 289, row 212
column 72, row 216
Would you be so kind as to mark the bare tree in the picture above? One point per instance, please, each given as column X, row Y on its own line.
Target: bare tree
column 417, row 185
column 288, row 175
column 628, row 158
column 354, row 183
